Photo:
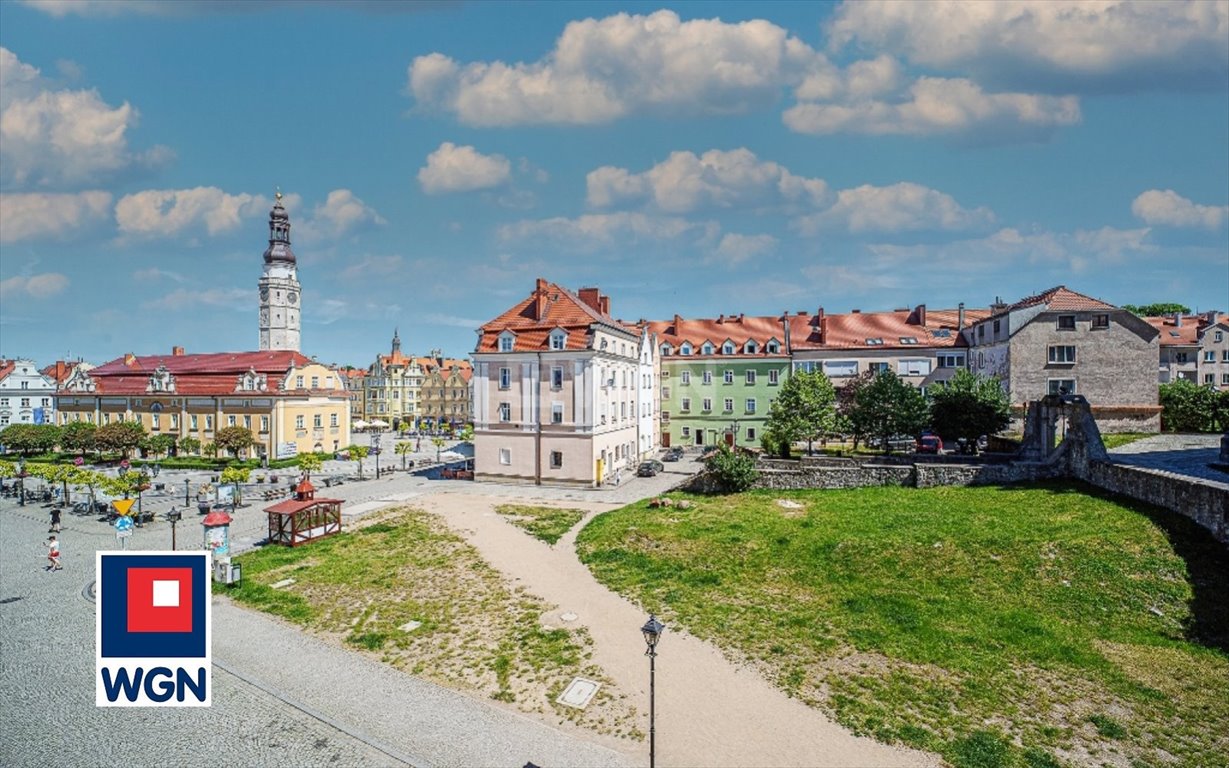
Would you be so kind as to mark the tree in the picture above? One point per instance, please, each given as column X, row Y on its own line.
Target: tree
column 467, row 433
column 403, row 449
column 438, row 442
column 1220, row 410
column 159, row 445
column 120, row 436
column 234, row 439
column 78, row 436
column 804, row 410
column 969, row 406
column 210, row 449
column 309, row 462
column 358, row 453
column 847, row 403
column 887, row 407
column 235, row 476
column 188, row 445
column 30, row 438
column 60, row 473
column 1157, row 309
column 1187, row 407
column 733, row 469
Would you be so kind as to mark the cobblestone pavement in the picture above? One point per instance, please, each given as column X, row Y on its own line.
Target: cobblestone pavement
column 329, row 706
column 1183, row 454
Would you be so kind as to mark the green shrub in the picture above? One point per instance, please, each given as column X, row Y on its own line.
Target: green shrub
column 734, row 471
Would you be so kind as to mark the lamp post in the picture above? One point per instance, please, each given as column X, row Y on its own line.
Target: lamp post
column 174, row 516
column 375, row 449
column 652, row 630
column 21, row 484
column 187, row 492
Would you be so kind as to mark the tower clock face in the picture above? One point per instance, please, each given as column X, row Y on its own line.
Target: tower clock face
column 292, row 296
column 264, row 294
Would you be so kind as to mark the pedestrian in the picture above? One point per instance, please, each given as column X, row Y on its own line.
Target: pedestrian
column 53, row 554
column 55, row 521
column 618, row 476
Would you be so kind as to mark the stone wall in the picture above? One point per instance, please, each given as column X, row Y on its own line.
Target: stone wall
column 1204, row 501
column 792, row 475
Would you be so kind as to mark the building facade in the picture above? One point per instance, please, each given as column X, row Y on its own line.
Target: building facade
column 290, row 403
column 1063, row 342
column 719, row 378
column 280, row 309
column 556, row 391
column 1194, row 347
column 27, row 395
column 445, row 394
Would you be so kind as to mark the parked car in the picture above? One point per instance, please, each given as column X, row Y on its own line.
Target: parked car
column 649, row 468
column 673, row 454
column 930, row 444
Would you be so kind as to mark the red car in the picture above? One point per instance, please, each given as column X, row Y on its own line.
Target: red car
column 930, row 444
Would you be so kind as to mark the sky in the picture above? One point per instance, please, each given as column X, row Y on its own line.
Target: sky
column 691, row 158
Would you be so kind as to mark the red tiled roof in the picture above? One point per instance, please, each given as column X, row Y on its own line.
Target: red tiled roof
column 1060, row 298
column 290, row 506
column 1186, row 335
column 202, row 374
column 851, row 330
column 736, row 328
column 6, row 367
column 548, row 307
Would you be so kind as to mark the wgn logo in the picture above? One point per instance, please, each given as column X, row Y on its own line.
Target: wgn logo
column 153, row 629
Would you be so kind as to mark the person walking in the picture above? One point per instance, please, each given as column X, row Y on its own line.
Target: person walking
column 53, row 554
column 55, row 521
column 618, row 476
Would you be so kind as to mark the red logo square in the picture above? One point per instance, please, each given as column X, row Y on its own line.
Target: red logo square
column 159, row 599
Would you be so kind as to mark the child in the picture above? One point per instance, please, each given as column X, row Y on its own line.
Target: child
column 55, row 521
column 53, row 554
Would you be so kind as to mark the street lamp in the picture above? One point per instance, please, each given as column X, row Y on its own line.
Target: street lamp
column 21, row 484
column 652, row 630
column 174, row 516
column 187, row 492
column 375, row 449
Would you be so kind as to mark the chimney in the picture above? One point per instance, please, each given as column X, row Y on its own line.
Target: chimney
column 740, row 317
column 997, row 306
column 801, row 313
column 177, row 352
column 1177, row 319
column 721, row 318
column 604, row 305
column 1210, row 317
column 919, row 314
column 539, row 300
column 592, row 297
column 960, row 317
column 823, row 327
column 129, row 358
column 678, row 324
column 855, row 311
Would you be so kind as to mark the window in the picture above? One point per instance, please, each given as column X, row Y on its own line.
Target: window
column 192, row 422
column 174, row 420
column 707, row 404
column 556, row 413
column 686, row 432
column 1062, row 354
column 1218, row 337
column 558, row 340
column 729, row 377
column 874, row 342
column 1224, row 379
column 1224, row 356
column 317, row 421
column 750, row 377
column 264, row 422
column 913, row 367
column 25, row 401
column 505, row 343
column 707, row 349
column 1061, row 386
column 751, row 348
column 750, row 433
column 686, row 405
column 665, row 415
column 666, row 349
column 665, row 391
column 750, row 405
column 686, row 376
column 505, row 412
column 1209, row 378
column 46, row 402
column 298, row 422
column 708, row 377
column 685, row 349
column 727, row 348
column 1100, row 321
column 841, row 368
column 878, row 368
column 1066, row 322
column 505, row 378
column 298, row 382
column 951, row 360
column 998, row 325
column 981, row 332
column 230, row 421
column 154, row 421
column 315, row 382
column 729, row 405
column 556, row 459
column 1209, row 356
column 774, row 376
column 1181, row 357
column 209, row 423
column 908, row 340
column 505, row 456
column 556, row 377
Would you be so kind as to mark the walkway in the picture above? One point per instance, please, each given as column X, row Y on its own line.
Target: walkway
column 1184, row 454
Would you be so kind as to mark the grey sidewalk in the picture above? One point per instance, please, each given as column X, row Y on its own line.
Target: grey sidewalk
column 1183, row 454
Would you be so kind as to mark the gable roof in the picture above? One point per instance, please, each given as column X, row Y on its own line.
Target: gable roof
column 930, row 327
column 547, row 308
column 1060, row 298
column 738, row 329
column 1189, row 333
column 201, row 374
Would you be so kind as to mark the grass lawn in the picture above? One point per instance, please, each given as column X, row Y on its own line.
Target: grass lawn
column 1026, row 626
column 477, row 632
column 1117, row 439
column 545, row 523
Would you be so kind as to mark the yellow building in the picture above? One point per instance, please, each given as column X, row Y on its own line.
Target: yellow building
column 290, row 403
column 445, row 394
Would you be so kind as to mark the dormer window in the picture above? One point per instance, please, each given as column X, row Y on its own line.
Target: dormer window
column 707, row 349
column 507, row 340
column 908, row 340
column 666, row 350
column 558, row 339
column 751, row 348
column 874, row 342
column 685, row 349
column 773, row 347
column 727, row 348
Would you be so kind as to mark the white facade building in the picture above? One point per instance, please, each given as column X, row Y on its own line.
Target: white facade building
column 26, row 395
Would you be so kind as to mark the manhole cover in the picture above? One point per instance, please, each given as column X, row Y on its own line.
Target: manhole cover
column 10, row 600
column 579, row 693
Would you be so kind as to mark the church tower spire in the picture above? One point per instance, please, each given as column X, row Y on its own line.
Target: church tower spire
column 396, row 343
column 279, row 285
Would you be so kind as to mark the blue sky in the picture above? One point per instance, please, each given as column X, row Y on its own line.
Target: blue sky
column 698, row 158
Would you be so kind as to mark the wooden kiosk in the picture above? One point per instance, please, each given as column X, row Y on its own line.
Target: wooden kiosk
column 304, row 518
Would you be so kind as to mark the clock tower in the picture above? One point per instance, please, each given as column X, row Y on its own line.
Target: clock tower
column 279, row 286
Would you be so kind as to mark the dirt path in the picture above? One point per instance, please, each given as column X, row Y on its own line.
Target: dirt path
column 709, row 712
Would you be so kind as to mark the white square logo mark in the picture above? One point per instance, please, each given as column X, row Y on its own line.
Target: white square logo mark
column 166, row 594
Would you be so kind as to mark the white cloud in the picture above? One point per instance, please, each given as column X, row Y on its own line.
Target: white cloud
column 1073, row 251
column 606, row 229
column 899, row 207
column 239, row 299
column 153, row 274
column 40, row 286
column 686, row 182
column 34, row 215
column 1057, row 45
column 1169, row 209
column 61, row 136
column 734, row 248
column 462, row 169
column 436, row 318
column 933, row 105
column 166, row 212
column 342, row 212
column 373, row 267
column 603, row 69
